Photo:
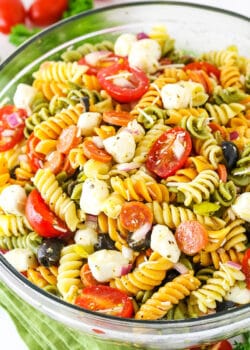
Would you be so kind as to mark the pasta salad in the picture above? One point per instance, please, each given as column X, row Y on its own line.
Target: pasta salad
column 125, row 181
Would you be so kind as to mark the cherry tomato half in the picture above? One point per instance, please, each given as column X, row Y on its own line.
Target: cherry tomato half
column 134, row 215
column 169, row 152
column 246, row 267
column 46, row 12
column 11, row 126
column 12, row 12
column 209, row 68
column 123, row 83
column 191, row 237
column 107, row 300
column 42, row 219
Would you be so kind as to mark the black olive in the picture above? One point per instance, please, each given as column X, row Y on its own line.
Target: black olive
column 48, row 253
column 247, row 227
column 85, row 101
column 224, row 305
column 142, row 244
column 230, row 153
column 104, row 242
column 171, row 274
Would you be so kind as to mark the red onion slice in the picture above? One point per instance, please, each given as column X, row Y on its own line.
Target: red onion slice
column 141, row 232
column 181, row 268
column 126, row 269
column 233, row 135
column 128, row 166
column 14, row 120
column 234, row 265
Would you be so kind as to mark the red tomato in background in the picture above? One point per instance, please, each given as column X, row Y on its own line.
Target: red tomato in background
column 246, row 267
column 45, row 12
column 222, row 345
column 11, row 12
column 35, row 159
column 11, row 126
column 42, row 219
column 105, row 299
column 169, row 152
column 209, row 68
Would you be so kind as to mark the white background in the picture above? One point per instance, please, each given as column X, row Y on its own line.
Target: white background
column 9, row 338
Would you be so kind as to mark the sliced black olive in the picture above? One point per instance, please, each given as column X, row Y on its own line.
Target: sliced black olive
column 104, row 242
column 171, row 274
column 138, row 245
column 48, row 253
column 85, row 101
column 224, row 305
column 230, row 153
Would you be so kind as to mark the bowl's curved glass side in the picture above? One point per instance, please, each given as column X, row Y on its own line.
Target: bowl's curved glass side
column 150, row 335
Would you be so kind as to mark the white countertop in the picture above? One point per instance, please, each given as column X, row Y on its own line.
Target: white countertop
column 8, row 334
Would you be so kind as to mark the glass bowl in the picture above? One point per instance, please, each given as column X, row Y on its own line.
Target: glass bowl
column 195, row 28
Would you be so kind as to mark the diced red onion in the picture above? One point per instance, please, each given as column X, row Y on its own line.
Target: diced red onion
column 92, row 218
column 141, row 232
column 233, row 135
column 126, row 269
column 234, row 265
column 14, row 120
column 141, row 36
column 98, row 141
column 128, row 166
column 181, row 268
column 93, row 58
column 23, row 158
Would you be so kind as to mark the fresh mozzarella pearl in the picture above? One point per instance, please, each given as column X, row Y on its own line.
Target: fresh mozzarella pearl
column 241, row 206
column 144, row 54
column 13, row 200
column 23, row 97
column 88, row 121
column 238, row 295
column 106, row 264
column 123, row 44
column 175, row 96
column 94, row 193
column 135, row 129
column 21, row 258
column 121, row 147
column 86, row 236
column 164, row 243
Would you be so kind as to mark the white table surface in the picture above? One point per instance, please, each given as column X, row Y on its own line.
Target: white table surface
column 8, row 334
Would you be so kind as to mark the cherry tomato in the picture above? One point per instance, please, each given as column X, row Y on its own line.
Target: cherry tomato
column 134, row 214
column 123, row 83
column 246, row 266
column 103, row 62
column 35, row 158
column 46, row 12
column 11, row 126
column 169, row 152
column 42, row 219
column 12, row 12
column 119, row 118
column 86, row 276
column 191, row 237
column 222, row 345
column 91, row 151
column 209, row 68
column 106, row 299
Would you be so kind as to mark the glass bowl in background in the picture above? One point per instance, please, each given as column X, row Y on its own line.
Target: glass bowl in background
column 196, row 29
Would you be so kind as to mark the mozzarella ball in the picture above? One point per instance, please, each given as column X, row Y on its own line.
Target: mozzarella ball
column 94, row 193
column 106, row 264
column 121, row 147
column 21, row 258
column 175, row 96
column 135, row 129
column 144, row 54
column 123, row 44
column 24, row 96
column 88, row 121
column 13, row 200
column 238, row 295
column 241, row 206
column 163, row 242
column 86, row 236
